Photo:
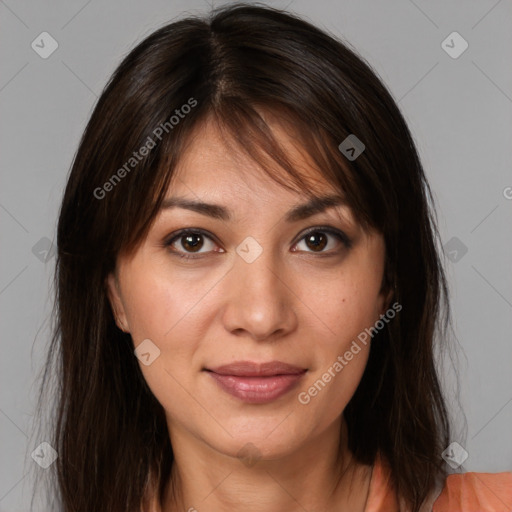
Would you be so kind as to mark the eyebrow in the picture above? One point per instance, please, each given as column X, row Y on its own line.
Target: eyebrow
column 216, row 211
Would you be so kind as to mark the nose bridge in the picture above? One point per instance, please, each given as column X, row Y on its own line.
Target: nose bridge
column 260, row 302
column 258, row 278
column 255, row 264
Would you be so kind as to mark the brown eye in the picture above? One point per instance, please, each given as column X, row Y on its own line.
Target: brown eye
column 192, row 242
column 316, row 241
column 187, row 242
column 323, row 240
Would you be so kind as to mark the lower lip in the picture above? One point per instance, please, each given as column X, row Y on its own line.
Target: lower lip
column 257, row 390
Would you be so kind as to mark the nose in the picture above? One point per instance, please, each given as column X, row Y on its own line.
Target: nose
column 259, row 300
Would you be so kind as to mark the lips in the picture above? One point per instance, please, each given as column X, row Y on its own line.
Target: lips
column 257, row 382
column 250, row 369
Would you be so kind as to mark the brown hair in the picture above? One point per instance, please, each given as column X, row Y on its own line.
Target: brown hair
column 110, row 431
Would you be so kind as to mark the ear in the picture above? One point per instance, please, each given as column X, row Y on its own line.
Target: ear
column 387, row 297
column 387, row 289
column 114, row 297
column 386, row 294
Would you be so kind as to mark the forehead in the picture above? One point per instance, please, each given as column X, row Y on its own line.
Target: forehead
column 214, row 163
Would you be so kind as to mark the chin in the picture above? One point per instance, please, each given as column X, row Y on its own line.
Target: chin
column 261, row 440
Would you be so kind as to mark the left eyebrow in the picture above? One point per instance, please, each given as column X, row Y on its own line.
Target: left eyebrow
column 216, row 211
column 314, row 206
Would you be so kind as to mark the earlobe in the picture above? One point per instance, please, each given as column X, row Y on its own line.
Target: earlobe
column 116, row 303
column 388, row 290
column 386, row 298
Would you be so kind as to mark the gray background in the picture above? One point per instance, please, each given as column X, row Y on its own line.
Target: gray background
column 459, row 111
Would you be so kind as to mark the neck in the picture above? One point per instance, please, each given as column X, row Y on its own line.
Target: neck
column 320, row 475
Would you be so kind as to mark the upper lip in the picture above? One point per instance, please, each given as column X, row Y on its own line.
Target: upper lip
column 252, row 369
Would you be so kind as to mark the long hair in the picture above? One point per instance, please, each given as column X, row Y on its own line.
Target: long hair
column 239, row 62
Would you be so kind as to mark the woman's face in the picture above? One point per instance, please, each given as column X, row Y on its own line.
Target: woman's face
column 243, row 333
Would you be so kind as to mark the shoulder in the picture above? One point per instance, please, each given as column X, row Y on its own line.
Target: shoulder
column 464, row 492
column 476, row 492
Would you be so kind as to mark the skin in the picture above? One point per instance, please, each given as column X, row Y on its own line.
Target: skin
column 291, row 304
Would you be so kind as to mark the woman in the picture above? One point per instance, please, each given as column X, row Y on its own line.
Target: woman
column 249, row 287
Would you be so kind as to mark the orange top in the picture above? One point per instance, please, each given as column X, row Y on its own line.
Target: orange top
column 466, row 492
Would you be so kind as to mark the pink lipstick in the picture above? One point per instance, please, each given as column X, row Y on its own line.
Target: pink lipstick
column 257, row 383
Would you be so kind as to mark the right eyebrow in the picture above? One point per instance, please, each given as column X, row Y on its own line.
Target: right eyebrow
column 215, row 211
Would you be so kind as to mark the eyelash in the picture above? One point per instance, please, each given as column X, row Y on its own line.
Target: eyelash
column 340, row 235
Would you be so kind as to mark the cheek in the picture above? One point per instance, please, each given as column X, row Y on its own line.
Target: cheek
column 150, row 308
column 160, row 309
column 350, row 304
column 169, row 310
column 336, row 375
column 160, row 303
